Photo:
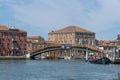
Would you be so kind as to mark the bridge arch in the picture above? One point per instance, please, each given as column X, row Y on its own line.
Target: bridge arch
column 54, row 48
column 47, row 49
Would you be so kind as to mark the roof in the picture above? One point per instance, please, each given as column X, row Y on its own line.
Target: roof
column 107, row 43
column 36, row 37
column 21, row 30
column 72, row 29
column 2, row 27
column 13, row 28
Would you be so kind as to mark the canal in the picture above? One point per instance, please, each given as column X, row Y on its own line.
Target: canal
column 56, row 70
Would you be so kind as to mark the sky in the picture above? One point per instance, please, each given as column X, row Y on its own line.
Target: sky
column 39, row 17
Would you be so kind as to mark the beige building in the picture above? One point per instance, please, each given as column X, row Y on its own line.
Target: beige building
column 72, row 35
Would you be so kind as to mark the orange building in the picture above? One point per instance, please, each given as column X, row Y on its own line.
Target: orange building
column 12, row 41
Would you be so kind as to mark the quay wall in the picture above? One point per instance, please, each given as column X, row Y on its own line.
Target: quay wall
column 12, row 57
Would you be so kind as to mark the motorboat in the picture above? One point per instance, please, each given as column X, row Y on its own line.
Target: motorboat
column 103, row 60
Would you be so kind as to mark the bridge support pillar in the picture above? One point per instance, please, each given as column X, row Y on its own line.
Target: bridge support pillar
column 86, row 56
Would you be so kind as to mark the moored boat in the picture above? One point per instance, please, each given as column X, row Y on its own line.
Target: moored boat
column 103, row 60
column 67, row 57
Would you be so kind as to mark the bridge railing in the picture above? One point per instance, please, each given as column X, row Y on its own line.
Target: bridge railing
column 94, row 48
column 47, row 46
column 90, row 47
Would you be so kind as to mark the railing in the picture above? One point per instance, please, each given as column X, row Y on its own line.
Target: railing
column 89, row 47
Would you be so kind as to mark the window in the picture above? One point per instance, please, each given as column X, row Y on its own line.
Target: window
column 2, row 35
column 36, row 45
column 40, row 45
column 70, row 41
column 28, row 44
column 2, row 44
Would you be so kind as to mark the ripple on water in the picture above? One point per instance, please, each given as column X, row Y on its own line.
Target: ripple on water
column 56, row 70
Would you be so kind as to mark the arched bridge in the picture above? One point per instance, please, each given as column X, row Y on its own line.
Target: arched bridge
column 65, row 47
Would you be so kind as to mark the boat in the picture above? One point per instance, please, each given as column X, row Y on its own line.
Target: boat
column 116, row 61
column 103, row 60
column 67, row 57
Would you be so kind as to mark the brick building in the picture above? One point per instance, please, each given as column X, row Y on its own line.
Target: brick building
column 72, row 35
column 35, row 42
column 12, row 41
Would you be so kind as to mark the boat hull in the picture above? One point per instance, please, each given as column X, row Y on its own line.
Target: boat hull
column 103, row 60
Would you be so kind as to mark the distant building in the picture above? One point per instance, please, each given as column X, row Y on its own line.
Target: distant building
column 72, row 35
column 13, row 41
column 118, row 40
column 109, row 47
column 118, row 36
column 35, row 42
column 118, row 45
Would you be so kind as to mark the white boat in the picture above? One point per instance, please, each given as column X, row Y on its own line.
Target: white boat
column 67, row 57
column 43, row 57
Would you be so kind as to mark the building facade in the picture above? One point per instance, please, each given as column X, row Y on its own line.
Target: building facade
column 118, row 45
column 72, row 35
column 35, row 42
column 13, row 42
column 110, row 48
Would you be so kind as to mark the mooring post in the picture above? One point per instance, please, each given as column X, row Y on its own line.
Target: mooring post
column 86, row 57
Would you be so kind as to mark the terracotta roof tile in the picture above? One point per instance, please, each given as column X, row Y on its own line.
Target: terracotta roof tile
column 21, row 30
column 35, row 37
column 72, row 29
column 2, row 27
column 107, row 43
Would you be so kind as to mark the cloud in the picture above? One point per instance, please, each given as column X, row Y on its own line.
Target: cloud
column 106, row 17
column 106, row 20
column 48, row 15
column 100, row 16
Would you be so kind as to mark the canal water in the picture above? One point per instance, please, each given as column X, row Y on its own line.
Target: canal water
column 56, row 70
